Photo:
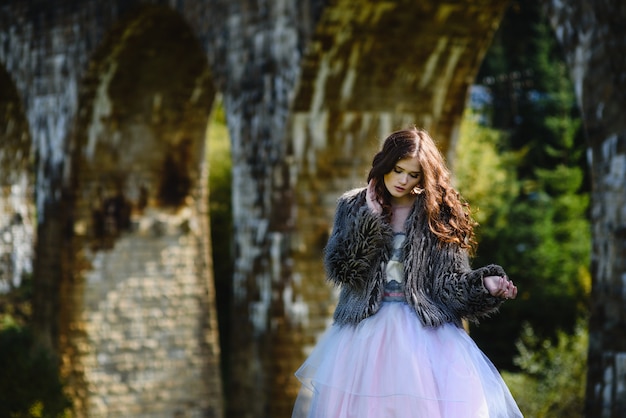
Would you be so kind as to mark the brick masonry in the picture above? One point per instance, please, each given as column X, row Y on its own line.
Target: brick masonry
column 113, row 98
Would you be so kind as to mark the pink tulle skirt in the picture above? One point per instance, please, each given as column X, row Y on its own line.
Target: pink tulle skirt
column 391, row 366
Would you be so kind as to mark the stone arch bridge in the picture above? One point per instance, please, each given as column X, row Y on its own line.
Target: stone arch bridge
column 104, row 110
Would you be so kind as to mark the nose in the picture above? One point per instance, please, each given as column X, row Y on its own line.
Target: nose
column 404, row 178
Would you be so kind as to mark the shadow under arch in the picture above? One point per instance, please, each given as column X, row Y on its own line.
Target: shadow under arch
column 138, row 328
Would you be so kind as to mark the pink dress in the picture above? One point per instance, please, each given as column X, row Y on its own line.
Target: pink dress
column 391, row 366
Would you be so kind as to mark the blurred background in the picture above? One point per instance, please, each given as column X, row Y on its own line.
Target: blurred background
column 170, row 169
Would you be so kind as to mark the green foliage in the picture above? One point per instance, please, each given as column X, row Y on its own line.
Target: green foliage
column 29, row 380
column 533, row 97
column 220, row 204
column 220, row 207
column 537, row 229
column 483, row 173
column 553, row 374
column 547, row 249
column 528, row 178
column 29, row 383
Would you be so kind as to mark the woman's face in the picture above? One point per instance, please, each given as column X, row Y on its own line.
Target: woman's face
column 401, row 180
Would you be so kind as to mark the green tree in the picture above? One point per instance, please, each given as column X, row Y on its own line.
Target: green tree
column 533, row 96
column 485, row 175
column 543, row 241
column 536, row 223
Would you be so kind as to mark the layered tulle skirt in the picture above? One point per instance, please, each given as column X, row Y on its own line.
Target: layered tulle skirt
column 391, row 366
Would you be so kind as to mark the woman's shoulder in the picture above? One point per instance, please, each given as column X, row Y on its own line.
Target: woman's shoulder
column 353, row 194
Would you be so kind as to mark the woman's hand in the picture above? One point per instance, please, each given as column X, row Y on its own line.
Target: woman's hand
column 500, row 287
column 371, row 198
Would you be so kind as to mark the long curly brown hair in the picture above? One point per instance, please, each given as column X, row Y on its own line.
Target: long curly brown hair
column 449, row 216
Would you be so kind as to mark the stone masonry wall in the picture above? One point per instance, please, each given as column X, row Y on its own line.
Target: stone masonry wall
column 141, row 333
column 141, row 342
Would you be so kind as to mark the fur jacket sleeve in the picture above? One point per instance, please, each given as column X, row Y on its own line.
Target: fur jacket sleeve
column 440, row 285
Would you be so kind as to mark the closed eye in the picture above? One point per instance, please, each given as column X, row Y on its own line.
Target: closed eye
column 399, row 170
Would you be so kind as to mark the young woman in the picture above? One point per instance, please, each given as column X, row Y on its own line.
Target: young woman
column 400, row 250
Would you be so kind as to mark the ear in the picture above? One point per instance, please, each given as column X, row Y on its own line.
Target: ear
column 417, row 190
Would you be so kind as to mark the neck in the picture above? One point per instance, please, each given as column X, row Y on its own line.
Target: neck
column 399, row 214
column 404, row 202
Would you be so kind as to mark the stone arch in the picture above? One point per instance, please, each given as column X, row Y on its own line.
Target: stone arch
column 17, row 203
column 138, row 328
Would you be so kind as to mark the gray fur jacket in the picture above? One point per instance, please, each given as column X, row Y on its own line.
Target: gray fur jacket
column 439, row 282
